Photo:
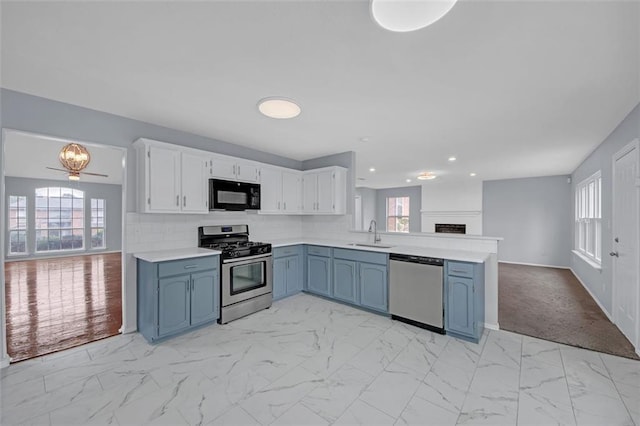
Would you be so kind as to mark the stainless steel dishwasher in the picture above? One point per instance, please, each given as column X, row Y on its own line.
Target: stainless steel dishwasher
column 416, row 291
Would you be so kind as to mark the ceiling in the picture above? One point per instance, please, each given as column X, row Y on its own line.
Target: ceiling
column 29, row 155
column 511, row 88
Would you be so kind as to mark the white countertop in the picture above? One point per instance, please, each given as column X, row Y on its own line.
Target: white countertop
column 175, row 254
column 461, row 255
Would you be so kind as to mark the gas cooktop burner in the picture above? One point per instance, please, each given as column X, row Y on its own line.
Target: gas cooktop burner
column 232, row 241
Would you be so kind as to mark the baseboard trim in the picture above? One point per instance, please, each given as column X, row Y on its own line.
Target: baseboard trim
column 495, row 326
column 592, row 296
column 4, row 362
column 128, row 330
column 534, row 264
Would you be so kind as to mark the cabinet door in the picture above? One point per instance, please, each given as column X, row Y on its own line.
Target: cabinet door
column 223, row 168
column 270, row 190
column 291, row 192
column 373, row 286
column 205, row 303
column 246, row 172
column 460, row 309
column 173, row 304
column 344, row 280
column 194, row 184
column 279, row 277
column 294, row 278
column 309, row 193
column 325, row 192
column 163, row 179
column 318, row 275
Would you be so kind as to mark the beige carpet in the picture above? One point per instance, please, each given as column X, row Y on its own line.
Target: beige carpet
column 550, row 303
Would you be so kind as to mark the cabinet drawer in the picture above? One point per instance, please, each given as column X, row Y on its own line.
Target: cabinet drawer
column 319, row 251
column 360, row 256
column 286, row 251
column 460, row 269
column 182, row 266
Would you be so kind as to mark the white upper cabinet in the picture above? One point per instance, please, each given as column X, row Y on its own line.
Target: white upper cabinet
column 325, row 191
column 195, row 184
column 230, row 168
column 171, row 179
column 280, row 191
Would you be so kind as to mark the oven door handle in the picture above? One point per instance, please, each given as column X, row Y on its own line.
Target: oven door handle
column 248, row 259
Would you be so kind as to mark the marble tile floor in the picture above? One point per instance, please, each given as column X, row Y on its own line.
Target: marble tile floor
column 309, row 361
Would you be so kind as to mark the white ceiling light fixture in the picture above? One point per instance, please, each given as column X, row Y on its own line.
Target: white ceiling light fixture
column 426, row 176
column 409, row 15
column 372, row 169
column 472, row 174
column 279, row 108
column 408, row 180
column 452, row 159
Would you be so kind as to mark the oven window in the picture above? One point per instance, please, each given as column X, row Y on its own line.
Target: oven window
column 247, row 277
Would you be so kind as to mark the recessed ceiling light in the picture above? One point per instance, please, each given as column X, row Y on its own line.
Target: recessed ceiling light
column 426, row 176
column 364, row 139
column 472, row 174
column 372, row 169
column 408, row 15
column 278, row 108
column 408, row 180
column 452, row 159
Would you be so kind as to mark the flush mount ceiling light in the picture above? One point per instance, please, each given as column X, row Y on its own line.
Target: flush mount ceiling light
column 409, row 15
column 472, row 174
column 452, row 159
column 280, row 108
column 408, row 180
column 372, row 169
column 426, row 176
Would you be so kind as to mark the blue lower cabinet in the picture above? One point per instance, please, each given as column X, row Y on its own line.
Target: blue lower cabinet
column 464, row 293
column 174, row 296
column 374, row 287
column 345, row 276
column 205, row 305
column 287, row 271
column 279, row 278
column 294, row 275
column 174, row 304
column 318, row 275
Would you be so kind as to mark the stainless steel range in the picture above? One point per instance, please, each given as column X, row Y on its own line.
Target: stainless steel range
column 247, row 270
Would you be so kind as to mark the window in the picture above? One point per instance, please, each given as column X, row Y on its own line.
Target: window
column 59, row 223
column 97, row 223
column 588, row 218
column 398, row 214
column 17, row 224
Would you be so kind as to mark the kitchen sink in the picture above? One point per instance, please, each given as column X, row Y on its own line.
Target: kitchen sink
column 369, row 245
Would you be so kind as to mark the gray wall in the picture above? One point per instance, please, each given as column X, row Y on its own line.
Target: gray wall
column 533, row 217
column 369, row 205
column 112, row 194
column 39, row 115
column 415, row 204
column 599, row 282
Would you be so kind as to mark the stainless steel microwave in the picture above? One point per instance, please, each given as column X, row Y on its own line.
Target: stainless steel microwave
column 230, row 195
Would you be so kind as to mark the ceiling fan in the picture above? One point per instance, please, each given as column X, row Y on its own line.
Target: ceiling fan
column 74, row 158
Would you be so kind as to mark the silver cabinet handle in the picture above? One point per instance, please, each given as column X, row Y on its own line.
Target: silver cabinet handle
column 178, row 200
column 285, row 205
column 614, row 253
column 234, row 169
column 238, row 170
column 184, row 201
column 278, row 205
column 190, row 266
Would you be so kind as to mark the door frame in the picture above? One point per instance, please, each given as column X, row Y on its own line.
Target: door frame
column 634, row 144
column 4, row 356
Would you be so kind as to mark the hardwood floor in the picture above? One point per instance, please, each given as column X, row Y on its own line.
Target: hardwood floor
column 55, row 304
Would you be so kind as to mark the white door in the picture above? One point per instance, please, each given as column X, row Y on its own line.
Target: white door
column 164, row 179
column 194, row 184
column 309, row 192
column 270, row 190
column 291, row 192
column 325, row 192
column 625, row 241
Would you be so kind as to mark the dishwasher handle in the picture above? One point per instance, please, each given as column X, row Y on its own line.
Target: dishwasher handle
column 416, row 259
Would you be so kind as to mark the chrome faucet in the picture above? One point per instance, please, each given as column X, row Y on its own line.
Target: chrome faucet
column 373, row 227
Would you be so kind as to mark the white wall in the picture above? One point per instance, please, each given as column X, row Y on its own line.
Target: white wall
column 452, row 202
